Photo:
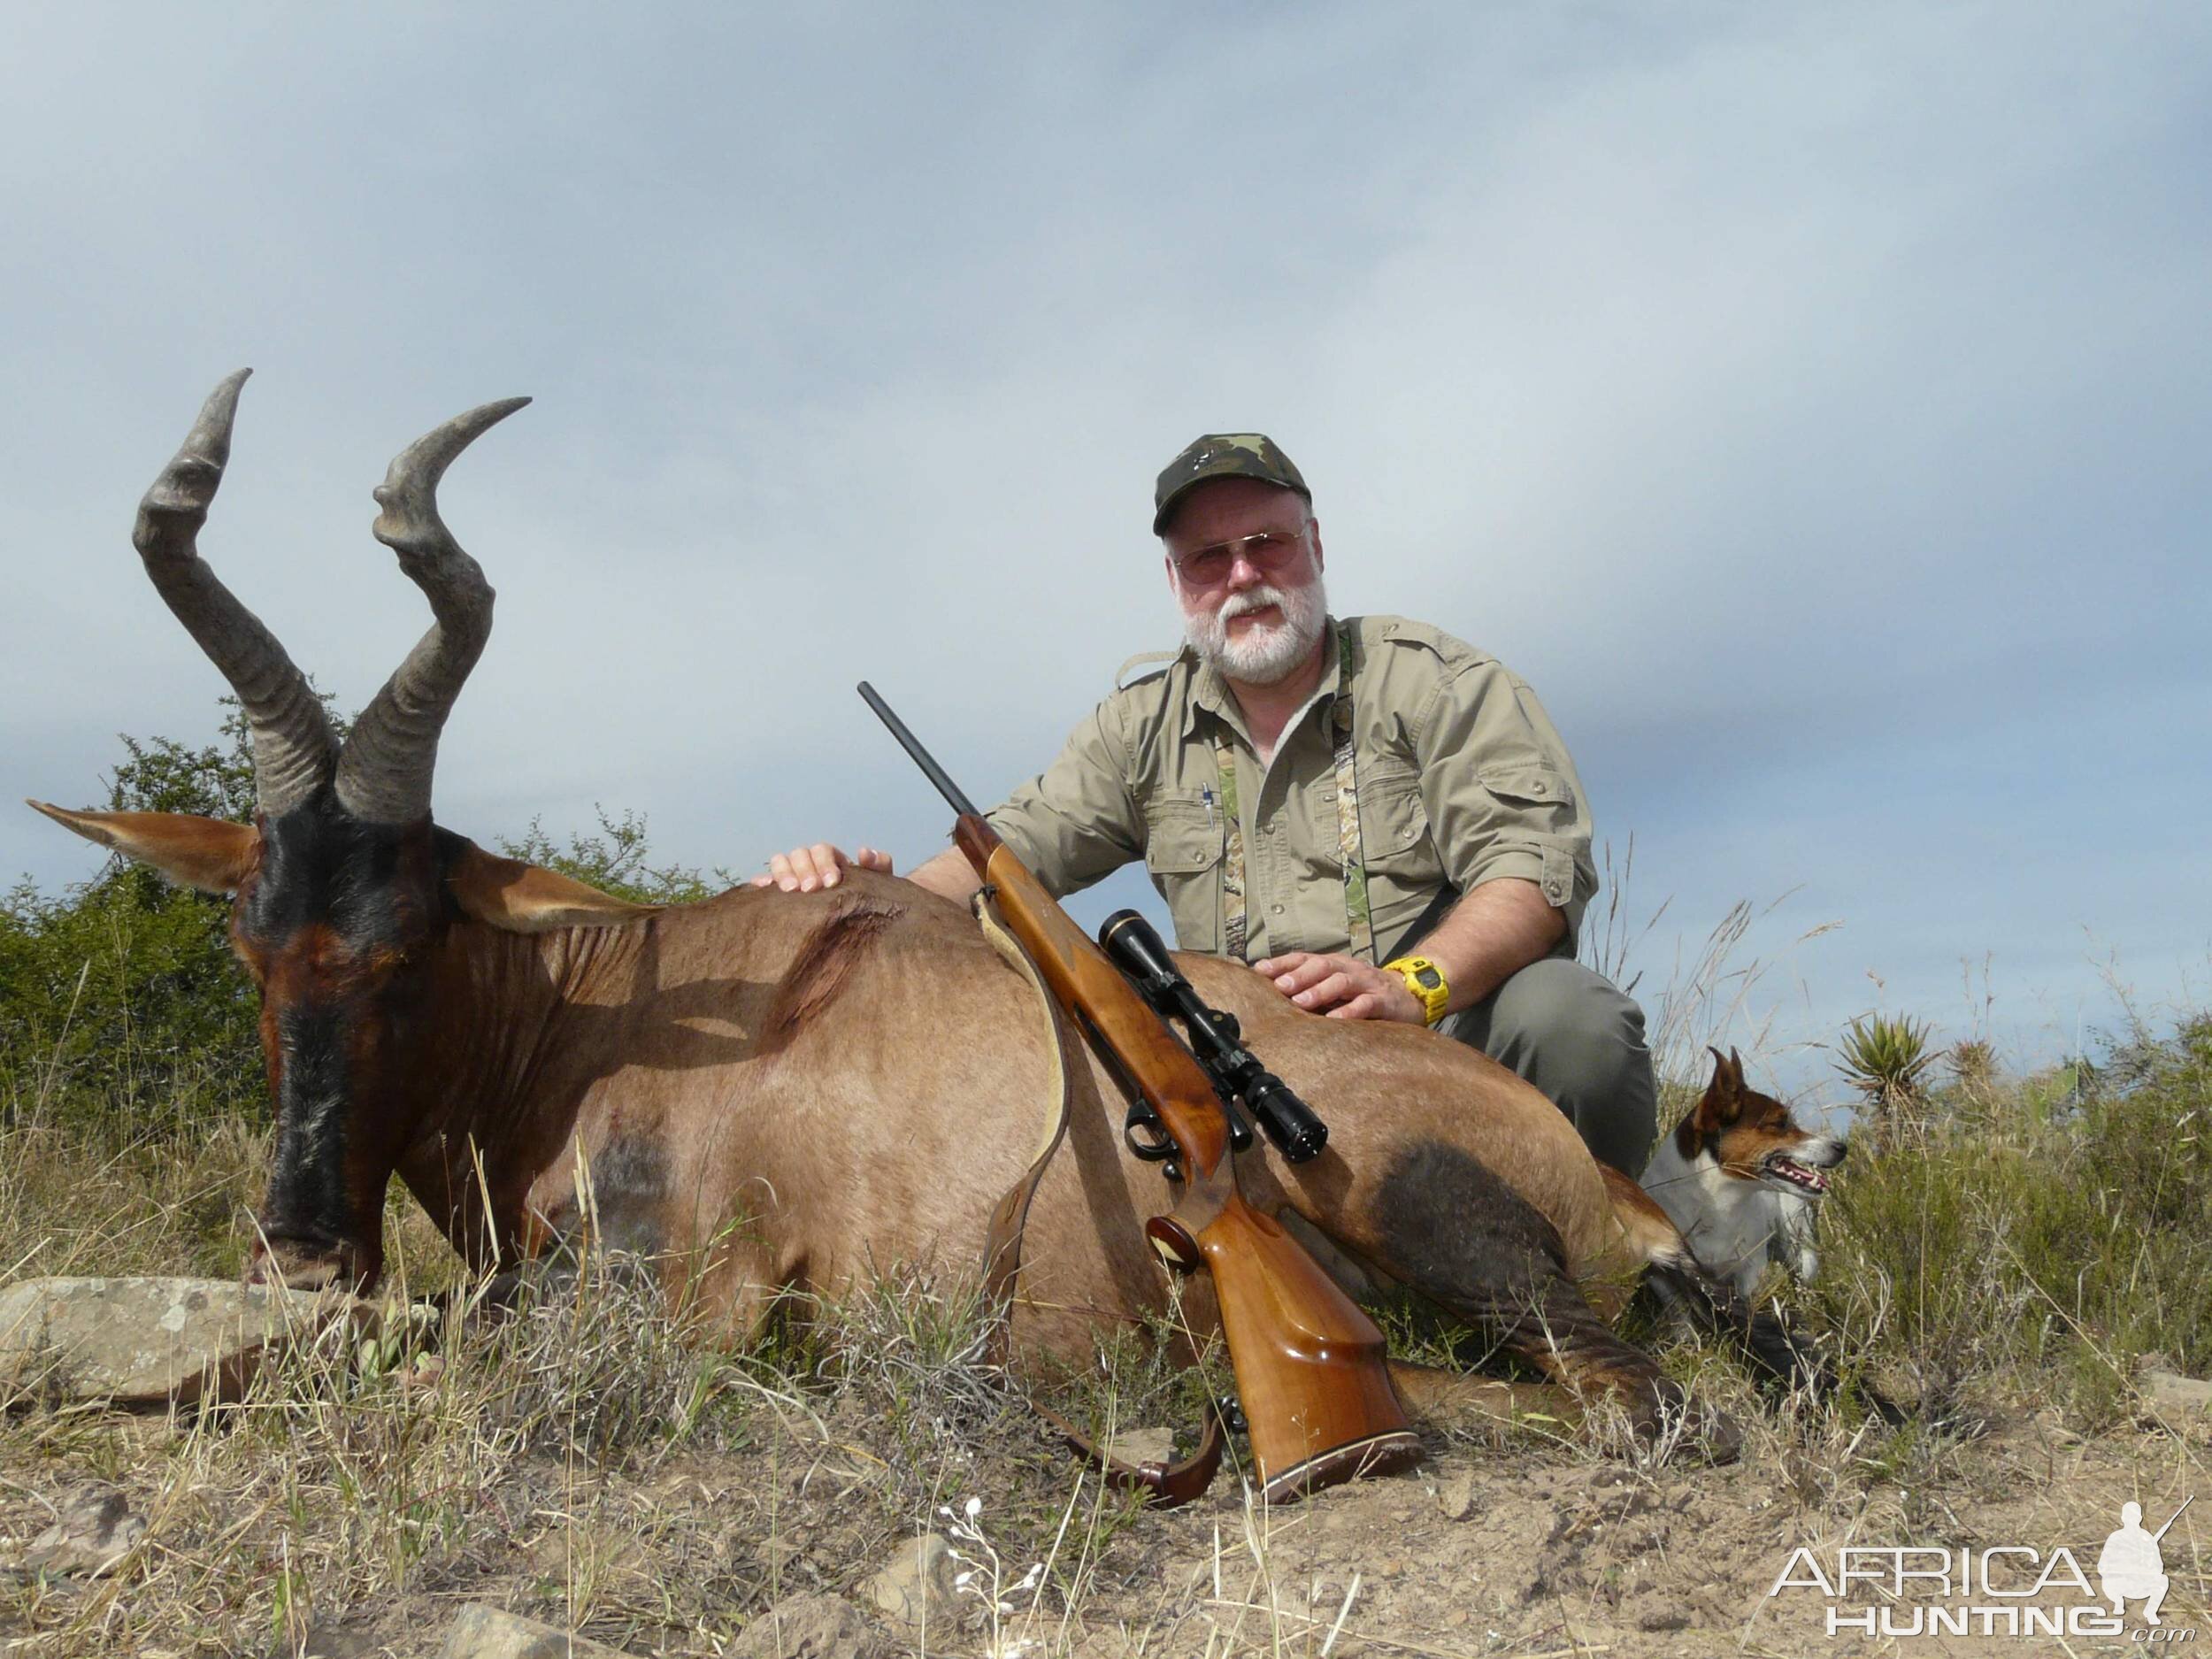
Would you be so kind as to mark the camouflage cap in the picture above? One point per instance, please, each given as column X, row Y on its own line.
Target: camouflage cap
column 1223, row 454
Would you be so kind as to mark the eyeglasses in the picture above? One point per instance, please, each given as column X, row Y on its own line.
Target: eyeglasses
column 1267, row 550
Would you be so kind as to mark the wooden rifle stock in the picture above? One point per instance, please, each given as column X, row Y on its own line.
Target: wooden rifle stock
column 1311, row 1366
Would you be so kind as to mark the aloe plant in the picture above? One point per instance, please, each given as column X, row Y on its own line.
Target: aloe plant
column 1885, row 1058
column 1974, row 1064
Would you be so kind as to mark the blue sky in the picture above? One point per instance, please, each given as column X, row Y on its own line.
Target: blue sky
column 1810, row 401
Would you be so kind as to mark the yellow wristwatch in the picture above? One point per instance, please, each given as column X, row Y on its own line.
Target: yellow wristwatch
column 1426, row 980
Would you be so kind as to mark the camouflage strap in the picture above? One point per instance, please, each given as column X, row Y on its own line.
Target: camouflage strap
column 1233, row 925
column 1359, row 925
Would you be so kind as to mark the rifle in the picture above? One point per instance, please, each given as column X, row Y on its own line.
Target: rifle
column 1311, row 1366
column 1217, row 1043
column 2171, row 1519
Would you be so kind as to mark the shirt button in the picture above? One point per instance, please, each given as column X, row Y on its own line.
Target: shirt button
column 1537, row 788
column 1275, row 909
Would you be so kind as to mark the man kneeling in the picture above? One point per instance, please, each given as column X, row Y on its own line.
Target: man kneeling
column 1377, row 817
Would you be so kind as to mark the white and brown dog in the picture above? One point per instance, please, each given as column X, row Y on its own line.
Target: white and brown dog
column 1739, row 1179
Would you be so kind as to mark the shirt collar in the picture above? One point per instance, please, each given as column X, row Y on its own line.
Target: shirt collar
column 1211, row 692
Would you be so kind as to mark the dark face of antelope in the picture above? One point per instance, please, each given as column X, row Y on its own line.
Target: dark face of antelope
column 335, row 925
column 341, row 883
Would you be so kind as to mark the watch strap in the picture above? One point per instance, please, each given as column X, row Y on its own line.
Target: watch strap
column 1426, row 981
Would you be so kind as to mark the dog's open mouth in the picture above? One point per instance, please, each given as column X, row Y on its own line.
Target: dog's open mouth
column 1801, row 1177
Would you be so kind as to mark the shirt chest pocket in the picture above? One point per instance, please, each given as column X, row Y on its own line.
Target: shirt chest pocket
column 1182, row 854
column 1395, row 839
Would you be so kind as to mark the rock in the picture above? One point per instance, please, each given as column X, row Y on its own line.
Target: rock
column 2173, row 1393
column 915, row 1586
column 486, row 1632
column 148, row 1342
column 1456, row 1495
column 338, row 1644
column 95, row 1531
column 808, row 1627
column 1143, row 1445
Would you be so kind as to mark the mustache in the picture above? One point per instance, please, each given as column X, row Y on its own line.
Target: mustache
column 1251, row 599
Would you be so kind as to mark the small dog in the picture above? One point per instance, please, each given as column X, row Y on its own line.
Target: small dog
column 1739, row 1180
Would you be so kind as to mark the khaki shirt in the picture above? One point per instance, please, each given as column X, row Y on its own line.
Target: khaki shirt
column 1460, row 778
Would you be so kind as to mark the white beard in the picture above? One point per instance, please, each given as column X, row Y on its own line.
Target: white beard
column 1261, row 655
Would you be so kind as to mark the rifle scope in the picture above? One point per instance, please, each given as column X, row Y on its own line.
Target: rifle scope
column 1216, row 1041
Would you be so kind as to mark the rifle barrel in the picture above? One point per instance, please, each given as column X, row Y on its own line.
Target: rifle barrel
column 912, row 745
column 2171, row 1519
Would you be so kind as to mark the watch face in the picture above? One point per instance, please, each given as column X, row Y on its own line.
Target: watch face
column 1428, row 979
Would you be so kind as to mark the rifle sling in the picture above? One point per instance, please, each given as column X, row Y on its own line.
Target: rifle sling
column 1167, row 1485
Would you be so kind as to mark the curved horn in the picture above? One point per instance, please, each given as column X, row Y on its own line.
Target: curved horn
column 385, row 770
column 291, row 737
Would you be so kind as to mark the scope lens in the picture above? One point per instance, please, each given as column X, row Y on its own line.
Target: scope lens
column 1293, row 1126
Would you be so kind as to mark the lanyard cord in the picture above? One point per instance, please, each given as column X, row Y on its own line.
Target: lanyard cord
column 1358, row 922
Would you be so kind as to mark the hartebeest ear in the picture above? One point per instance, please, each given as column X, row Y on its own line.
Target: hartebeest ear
column 210, row 854
column 525, row 899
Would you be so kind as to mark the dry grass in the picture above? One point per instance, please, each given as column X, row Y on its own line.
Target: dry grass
column 580, row 1456
column 585, row 1460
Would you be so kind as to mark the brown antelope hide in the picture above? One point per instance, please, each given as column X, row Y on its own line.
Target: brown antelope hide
column 772, row 1091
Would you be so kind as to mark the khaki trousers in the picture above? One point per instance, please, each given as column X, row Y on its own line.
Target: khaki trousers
column 1580, row 1041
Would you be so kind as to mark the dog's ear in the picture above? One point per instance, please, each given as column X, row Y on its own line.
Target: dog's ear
column 1727, row 1077
column 1717, row 1108
column 1735, row 1064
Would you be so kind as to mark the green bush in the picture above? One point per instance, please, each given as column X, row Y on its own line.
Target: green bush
column 2047, row 1225
column 121, row 1002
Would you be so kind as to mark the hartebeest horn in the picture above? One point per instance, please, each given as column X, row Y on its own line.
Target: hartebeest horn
column 385, row 771
column 291, row 748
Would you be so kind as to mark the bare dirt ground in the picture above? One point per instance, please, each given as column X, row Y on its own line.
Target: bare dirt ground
column 1500, row 1544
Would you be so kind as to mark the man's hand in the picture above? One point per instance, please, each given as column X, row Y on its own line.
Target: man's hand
column 1343, row 987
column 804, row 869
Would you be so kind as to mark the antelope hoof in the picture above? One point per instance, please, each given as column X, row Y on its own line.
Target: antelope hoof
column 1681, row 1425
column 299, row 1265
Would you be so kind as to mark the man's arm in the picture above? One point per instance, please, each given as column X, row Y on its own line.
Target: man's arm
column 1071, row 825
column 1483, row 940
column 1506, row 811
column 949, row 875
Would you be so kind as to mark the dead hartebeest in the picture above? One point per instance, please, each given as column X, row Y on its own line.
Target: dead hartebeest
column 771, row 1091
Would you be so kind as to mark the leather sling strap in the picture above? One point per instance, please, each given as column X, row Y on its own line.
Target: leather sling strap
column 1167, row 1485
